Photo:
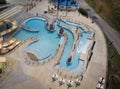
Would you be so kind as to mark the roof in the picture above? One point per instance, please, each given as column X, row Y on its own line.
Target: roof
column 68, row 3
column 2, row 59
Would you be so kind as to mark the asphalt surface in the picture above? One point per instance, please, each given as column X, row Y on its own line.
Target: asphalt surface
column 113, row 35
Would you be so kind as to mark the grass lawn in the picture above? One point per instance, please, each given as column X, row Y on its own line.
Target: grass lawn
column 113, row 73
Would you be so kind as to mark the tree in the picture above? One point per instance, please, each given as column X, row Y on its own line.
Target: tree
column 2, row 1
column 83, row 12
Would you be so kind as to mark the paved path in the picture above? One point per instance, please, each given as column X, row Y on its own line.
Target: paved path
column 113, row 35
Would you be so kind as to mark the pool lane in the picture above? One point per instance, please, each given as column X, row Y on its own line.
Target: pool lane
column 67, row 50
column 76, row 58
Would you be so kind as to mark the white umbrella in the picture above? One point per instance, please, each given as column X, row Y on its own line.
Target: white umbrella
column 77, row 81
column 61, row 81
column 55, row 77
column 70, row 83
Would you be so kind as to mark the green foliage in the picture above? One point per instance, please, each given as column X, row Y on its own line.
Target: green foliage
column 113, row 67
column 2, row 1
column 83, row 11
column 100, row 8
column 109, row 10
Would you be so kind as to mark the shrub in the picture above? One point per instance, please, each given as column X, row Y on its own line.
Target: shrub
column 2, row 1
column 100, row 9
column 83, row 12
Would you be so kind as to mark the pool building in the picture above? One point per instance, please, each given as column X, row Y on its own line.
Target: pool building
column 66, row 4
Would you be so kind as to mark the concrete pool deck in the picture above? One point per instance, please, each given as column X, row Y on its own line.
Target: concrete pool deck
column 25, row 75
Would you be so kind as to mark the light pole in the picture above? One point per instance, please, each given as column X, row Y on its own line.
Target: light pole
column 66, row 6
column 48, row 7
column 58, row 8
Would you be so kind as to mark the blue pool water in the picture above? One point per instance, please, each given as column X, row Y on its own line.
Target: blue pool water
column 48, row 41
column 46, row 47
column 73, row 25
column 76, row 58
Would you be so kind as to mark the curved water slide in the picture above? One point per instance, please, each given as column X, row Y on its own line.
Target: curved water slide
column 9, row 45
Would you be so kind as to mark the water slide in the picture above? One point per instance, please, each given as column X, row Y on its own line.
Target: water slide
column 9, row 45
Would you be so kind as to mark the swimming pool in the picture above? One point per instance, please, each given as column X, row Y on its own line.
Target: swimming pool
column 46, row 47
